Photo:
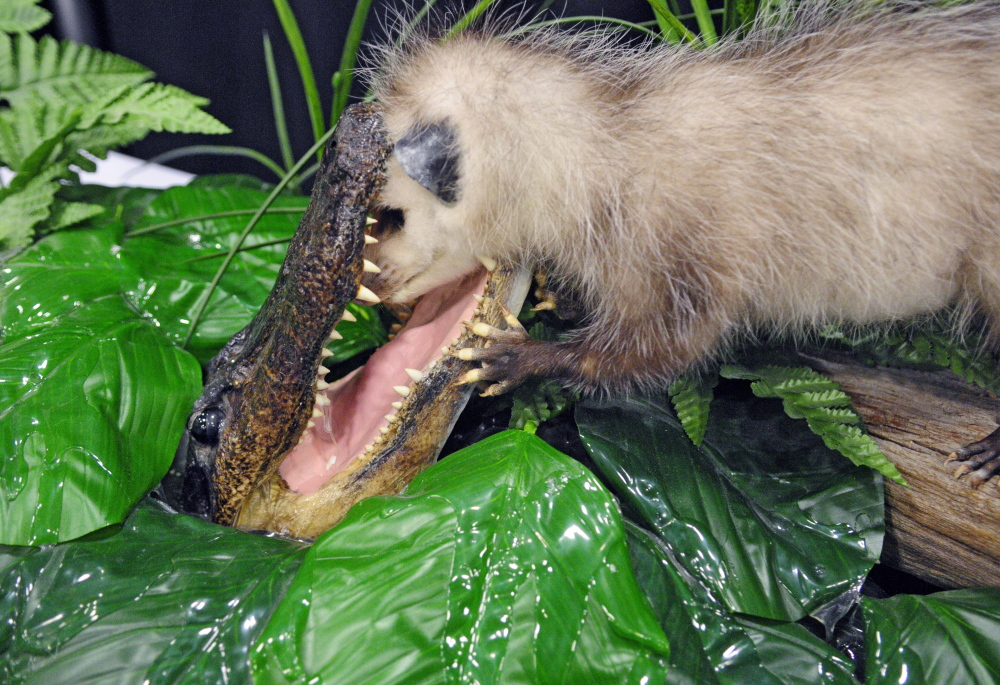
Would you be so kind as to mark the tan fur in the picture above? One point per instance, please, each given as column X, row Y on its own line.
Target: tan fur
column 846, row 169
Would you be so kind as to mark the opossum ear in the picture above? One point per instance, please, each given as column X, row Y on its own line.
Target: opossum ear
column 429, row 155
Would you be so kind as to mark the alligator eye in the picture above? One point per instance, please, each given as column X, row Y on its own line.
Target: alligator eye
column 205, row 427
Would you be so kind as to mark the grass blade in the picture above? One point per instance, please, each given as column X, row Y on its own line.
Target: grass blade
column 670, row 26
column 621, row 23
column 705, row 24
column 280, row 124
column 233, row 150
column 345, row 74
column 294, row 38
column 466, row 20
column 317, row 148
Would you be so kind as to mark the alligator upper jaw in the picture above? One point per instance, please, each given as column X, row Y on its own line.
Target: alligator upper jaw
column 250, row 457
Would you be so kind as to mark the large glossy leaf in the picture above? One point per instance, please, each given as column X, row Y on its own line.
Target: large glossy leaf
column 506, row 563
column 92, row 397
column 712, row 646
column 771, row 521
column 167, row 599
column 948, row 638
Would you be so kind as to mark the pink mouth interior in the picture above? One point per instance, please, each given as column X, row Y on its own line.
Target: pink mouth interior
column 360, row 400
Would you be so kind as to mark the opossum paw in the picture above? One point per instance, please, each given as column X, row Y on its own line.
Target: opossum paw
column 505, row 358
column 980, row 459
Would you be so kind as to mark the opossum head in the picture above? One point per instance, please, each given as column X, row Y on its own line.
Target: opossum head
column 491, row 137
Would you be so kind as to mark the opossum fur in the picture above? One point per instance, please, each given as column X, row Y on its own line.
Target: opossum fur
column 843, row 169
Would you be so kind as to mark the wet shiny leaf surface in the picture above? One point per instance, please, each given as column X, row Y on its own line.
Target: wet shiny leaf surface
column 947, row 638
column 772, row 522
column 167, row 599
column 506, row 562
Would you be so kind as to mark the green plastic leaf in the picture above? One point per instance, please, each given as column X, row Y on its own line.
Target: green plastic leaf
column 22, row 15
column 538, row 401
column 772, row 522
column 167, row 599
column 155, row 107
column 947, row 638
column 504, row 563
column 691, row 396
column 809, row 395
column 67, row 214
column 712, row 646
column 20, row 212
column 174, row 271
column 93, row 397
column 59, row 73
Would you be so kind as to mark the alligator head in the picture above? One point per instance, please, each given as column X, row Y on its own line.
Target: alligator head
column 271, row 444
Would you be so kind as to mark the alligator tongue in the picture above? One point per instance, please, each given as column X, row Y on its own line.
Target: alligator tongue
column 360, row 401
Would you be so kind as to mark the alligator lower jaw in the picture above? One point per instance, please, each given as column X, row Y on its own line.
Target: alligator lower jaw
column 376, row 428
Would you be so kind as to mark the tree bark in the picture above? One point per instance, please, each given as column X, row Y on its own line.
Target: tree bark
column 940, row 529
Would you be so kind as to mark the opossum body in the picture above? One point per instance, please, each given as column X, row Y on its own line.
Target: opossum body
column 844, row 170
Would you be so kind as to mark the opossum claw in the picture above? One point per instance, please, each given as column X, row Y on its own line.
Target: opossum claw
column 981, row 459
column 500, row 357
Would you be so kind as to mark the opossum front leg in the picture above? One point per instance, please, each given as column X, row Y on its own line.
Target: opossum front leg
column 981, row 459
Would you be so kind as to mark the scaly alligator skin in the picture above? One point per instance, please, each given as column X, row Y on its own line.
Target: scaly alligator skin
column 261, row 388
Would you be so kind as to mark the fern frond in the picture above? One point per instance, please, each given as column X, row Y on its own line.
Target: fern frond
column 61, row 73
column 22, row 210
column 66, row 214
column 537, row 402
column 691, row 396
column 22, row 15
column 155, row 106
column 806, row 394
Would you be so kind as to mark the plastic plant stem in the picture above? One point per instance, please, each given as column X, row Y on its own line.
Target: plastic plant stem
column 205, row 217
column 671, row 27
column 294, row 38
column 572, row 20
column 342, row 89
column 466, row 20
column 234, row 150
column 705, row 24
column 280, row 125
column 223, row 253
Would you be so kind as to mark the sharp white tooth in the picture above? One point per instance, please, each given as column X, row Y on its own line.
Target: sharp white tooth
column 370, row 221
column 377, row 440
column 479, row 298
column 397, row 405
column 322, row 370
column 370, row 267
column 488, row 262
column 348, row 316
column 366, row 295
column 415, row 376
column 310, row 424
column 390, row 417
column 383, row 430
column 402, row 390
column 454, row 341
column 331, row 462
column 317, row 412
column 334, row 335
column 369, row 240
column 369, row 448
column 322, row 385
column 390, row 336
column 396, row 327
column 322, row 401
column 444, row 350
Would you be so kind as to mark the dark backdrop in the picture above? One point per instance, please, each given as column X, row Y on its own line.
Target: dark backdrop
column 214, row 48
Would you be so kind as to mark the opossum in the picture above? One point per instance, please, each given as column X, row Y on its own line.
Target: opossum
column 845, row 168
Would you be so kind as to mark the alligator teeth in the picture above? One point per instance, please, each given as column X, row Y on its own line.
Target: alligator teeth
column 366, row 295
column 348, row 316
column 390, row 417
column 488, row 262
column 454, row 341
column 370, row 267
column 322, row 385
column 322, row 401
column 479, row 298
column 383, row 430
column 397, row 405
column 369, row 448
column 331, row 461
column 334, row 335
column 390, row 336
column 317, row 412
column 322, row 370
column 402, row 390
column 396, row 327
column 369, row 221
column 415, row 376
column 310, row 424
column 369, row 240
column 445, row 350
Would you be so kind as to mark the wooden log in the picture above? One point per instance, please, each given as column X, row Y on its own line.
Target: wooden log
column 941, row 529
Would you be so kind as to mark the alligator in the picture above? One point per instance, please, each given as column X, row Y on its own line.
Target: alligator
column 271, row 444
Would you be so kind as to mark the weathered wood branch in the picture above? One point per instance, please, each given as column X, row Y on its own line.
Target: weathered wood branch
column 942, row 529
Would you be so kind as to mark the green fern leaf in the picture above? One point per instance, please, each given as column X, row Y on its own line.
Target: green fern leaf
column 807, row 394
column 691, row 396
column 20, row 211
column 155, row 106
column 66, row 214
column 60, row 73
column 22, row 15
column 538, row 401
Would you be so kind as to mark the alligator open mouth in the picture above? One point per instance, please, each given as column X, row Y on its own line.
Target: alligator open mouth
column 272, row 444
